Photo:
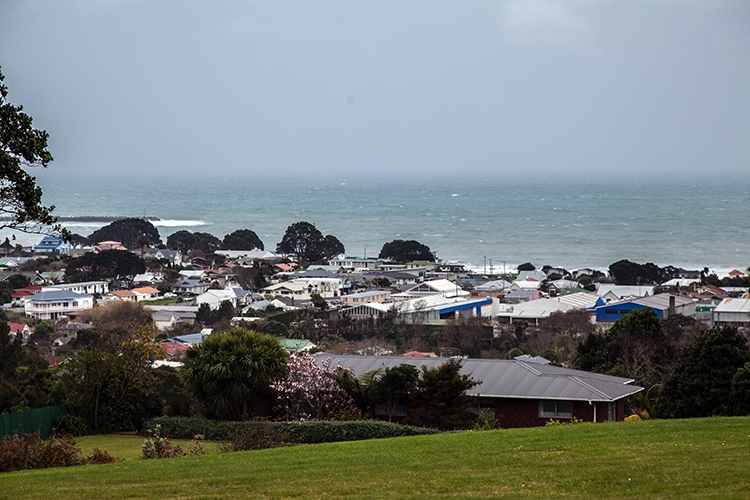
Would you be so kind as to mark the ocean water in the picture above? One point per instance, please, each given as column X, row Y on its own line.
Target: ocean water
column 487, row 223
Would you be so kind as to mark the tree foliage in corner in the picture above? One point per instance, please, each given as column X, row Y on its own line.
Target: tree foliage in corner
column 21, row 146
column 635, row 347
column 306, row 242
column 710, row 377
column 403, row 251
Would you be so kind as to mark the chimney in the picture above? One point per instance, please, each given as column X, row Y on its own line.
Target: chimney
column 671, row 310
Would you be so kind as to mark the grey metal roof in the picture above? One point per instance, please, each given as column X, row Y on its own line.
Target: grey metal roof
column 57, row 295
column 509, row 378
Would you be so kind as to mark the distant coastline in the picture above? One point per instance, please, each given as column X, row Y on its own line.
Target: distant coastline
column 94, row 218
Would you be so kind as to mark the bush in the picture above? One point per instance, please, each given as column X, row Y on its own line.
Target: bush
column 31, row 452
column 251, row 435
column 70, row 424
column 100, row 457
column 157, row 446
column 259, row 436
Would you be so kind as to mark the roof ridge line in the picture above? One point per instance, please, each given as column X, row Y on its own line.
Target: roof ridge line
column 590, row 387
column 528, row 367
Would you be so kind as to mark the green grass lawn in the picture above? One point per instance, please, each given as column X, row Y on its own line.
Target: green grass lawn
column 128, row 447
column 701, row 458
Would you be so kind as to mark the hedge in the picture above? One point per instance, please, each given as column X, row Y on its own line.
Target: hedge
column 293, row 432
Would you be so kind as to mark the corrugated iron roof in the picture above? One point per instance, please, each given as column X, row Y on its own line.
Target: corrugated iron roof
column 509, row 378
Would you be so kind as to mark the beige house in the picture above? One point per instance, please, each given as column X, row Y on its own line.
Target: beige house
column 367, row 297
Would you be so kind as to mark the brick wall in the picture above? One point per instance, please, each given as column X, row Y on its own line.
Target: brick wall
column 512, row 413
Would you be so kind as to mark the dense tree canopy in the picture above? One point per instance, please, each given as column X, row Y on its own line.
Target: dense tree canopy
column 306, row 242
column 631, row 273
column 132, row 233
column 21, row 146
column 635, row 346
column 440, row 398
column 242, row 239
column 231, row 373
column 185, row 241
column 403, row 251
column 395, row 386
column 105, row 265
column 110, row 381
column 700, row 384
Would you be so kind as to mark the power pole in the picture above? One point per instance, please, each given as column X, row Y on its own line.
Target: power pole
column 485, row 265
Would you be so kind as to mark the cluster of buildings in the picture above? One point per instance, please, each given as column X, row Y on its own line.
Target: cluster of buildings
column 525, row 391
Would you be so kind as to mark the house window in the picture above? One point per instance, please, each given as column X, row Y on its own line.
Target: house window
column 555, row 409
column 398, row 410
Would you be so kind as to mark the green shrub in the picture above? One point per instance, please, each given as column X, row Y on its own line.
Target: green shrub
column 70, row 424
column 266, row 434
column 258, row 436
column 156, row 446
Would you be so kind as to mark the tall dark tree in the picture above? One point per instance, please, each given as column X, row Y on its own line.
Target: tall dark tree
column 231, row 373
column 22, row 146
column 131, row 232
column 700, row 384
column 105, row 265
column 185, row 241
column 182, row 241
column 440, row 398
column 242, row 239
column 206, row 242
column 306, row 242
column 395, row 386
column 631, row 273
column 635, row 346
column 403, row 251
column 332, row 246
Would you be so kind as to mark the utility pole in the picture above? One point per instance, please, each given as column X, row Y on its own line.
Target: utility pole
column 365, row 252
column 491, row 267
column 485, row 265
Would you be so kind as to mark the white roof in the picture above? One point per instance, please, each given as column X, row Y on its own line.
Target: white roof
column 733, row 305
column 624, row 291
column 527, row 284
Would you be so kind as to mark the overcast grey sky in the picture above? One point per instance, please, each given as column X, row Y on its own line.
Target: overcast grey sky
column 460, row 87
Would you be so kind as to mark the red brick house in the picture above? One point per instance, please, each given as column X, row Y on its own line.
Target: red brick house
column 518, row 393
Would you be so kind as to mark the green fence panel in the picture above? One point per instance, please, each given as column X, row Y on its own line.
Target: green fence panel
column 31, row 421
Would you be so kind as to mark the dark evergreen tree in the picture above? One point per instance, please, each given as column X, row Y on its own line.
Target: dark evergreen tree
column 21, row 145
column 700, row 384
column 440, row 399
column 133, row 233
column 403, row 251
column 309, row 245
column 242, row 239
column 182, row 241
column 231, row 373
column 395, row 386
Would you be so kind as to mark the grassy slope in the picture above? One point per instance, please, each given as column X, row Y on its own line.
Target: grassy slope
column 676, row 459
column 128, row 447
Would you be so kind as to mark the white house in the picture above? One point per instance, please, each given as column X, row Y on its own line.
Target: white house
column 100, row 287
column 57, row 304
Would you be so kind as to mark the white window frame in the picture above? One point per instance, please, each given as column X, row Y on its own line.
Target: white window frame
column 561, row 409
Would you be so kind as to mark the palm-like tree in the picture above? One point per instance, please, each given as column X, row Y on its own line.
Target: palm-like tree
column 231, row 373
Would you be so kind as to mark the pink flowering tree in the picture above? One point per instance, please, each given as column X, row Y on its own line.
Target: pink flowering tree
column 308, row 392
